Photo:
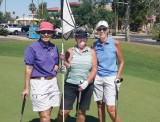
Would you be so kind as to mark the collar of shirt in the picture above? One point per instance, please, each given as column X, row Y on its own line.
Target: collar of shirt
column 85, row 49
column 106, row 42
column 44, row 46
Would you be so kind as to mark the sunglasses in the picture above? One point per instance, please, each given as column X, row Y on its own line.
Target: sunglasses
column 46, row 31
column 101, row 28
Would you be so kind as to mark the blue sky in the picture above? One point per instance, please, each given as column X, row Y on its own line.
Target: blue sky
column 21, row 6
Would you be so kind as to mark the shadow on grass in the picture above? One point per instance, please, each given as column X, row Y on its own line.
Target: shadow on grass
column 38, row 120
column 88, row 119
column 70, row 119
column 91, row 119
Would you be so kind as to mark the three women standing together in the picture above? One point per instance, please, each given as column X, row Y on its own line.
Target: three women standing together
column 89, row 71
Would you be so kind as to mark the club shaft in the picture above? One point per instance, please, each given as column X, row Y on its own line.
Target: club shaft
column 79, row 99
column 23, row 105
column 116, row 101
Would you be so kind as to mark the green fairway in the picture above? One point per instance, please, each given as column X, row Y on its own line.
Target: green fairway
column 138, row 97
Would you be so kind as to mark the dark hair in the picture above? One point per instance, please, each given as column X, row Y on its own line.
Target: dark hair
column 81, row 32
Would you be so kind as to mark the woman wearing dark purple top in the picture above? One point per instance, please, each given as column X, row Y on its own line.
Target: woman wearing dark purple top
column 42, row 59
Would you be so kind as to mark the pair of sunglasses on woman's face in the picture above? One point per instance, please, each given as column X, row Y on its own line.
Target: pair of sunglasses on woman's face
column 46, row 32
column 101, row 28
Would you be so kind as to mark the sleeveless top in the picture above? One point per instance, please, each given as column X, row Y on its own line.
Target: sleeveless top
column 106, row 55
column 80, row 66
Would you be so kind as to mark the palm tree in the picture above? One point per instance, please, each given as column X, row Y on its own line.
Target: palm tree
column 43, row 10
column 32, row 8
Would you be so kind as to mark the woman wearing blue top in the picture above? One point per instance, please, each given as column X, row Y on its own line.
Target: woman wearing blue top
column 107, row 51
column 81, row 62
column 42, row 59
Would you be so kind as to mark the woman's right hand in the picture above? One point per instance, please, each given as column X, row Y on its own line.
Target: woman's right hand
column 25, row 93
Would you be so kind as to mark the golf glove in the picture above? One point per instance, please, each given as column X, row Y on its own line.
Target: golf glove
column 118, row 83
column 84, row 84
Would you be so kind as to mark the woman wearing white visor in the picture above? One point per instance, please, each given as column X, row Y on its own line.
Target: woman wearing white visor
column 107, row 51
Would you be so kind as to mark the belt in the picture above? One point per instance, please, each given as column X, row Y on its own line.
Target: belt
column 43, row 78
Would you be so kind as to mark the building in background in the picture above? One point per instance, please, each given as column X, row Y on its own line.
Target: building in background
column 26, row 21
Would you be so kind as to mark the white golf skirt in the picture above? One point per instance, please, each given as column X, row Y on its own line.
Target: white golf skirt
column 44, row 94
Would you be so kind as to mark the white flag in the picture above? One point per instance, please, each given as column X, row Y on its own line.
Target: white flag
column 67, row 19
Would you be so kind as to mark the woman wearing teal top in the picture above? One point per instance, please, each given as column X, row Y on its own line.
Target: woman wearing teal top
column 81, row 62
column 110, row 65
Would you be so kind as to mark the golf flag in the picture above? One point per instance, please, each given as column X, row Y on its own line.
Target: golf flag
column 68, row 22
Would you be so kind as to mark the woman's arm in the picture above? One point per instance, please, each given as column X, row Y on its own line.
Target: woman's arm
column 93, row 71
column 120, row 59
column 28, row 71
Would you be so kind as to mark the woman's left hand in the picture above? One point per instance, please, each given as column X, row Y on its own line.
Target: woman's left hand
column 83, row 85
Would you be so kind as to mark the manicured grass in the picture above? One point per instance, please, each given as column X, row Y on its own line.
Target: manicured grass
column 138, row 97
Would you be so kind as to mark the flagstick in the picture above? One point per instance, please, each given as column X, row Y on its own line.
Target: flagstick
column 62, row 2
column 68, row 23
column 63, row 77
column 62, row 73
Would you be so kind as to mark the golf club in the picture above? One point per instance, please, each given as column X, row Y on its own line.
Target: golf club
column 23, row 105
column 116, row 100
column 79, row 99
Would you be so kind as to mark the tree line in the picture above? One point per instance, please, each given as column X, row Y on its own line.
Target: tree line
column 91, row 11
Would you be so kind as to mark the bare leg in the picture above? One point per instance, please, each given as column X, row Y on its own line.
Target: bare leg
column 111, row 111
column 60, row 115
column 81, row 116
column 101, row 111
column 45, row 115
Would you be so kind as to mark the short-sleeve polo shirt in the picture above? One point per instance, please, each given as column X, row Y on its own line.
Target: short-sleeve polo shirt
column 106, row 55
column 43, row 59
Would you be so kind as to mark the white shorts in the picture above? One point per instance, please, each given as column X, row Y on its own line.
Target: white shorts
column 44, row 94
column 104, row 89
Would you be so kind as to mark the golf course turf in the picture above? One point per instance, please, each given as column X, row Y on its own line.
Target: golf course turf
column 139, row 95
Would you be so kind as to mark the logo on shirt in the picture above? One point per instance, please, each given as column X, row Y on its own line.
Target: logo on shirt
column 51, row 54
